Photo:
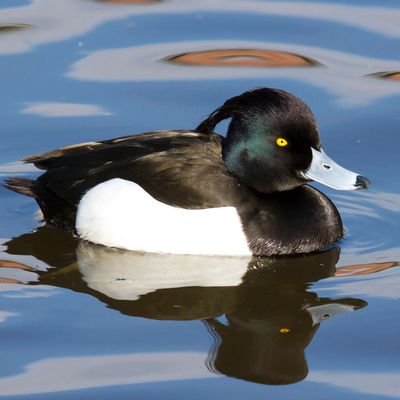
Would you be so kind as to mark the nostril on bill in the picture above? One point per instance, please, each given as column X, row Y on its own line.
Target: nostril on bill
column 362, row 182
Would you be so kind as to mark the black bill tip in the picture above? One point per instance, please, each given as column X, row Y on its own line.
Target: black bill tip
column 362, row 182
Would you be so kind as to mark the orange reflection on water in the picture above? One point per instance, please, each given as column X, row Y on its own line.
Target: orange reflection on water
column 13, row 27
column 242, row 58
column 391, row 76
column 364, row 269
column 14, row 264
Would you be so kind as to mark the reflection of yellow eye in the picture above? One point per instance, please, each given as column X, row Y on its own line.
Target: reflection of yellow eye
column 284, row 330
column 281, row 142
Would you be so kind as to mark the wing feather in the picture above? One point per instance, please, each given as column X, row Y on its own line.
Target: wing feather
column 180, row 168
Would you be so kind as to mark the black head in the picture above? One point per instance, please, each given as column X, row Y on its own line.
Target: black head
column 269, row 139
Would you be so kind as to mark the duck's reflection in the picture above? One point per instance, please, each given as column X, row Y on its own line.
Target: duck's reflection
column 264, row 338
column 260, row 310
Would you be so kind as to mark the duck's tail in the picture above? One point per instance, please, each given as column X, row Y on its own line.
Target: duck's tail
column 56, row 211
column 21, row 185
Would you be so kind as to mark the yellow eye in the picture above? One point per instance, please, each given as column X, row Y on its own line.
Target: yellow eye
column 284, row 330
column 281, row 142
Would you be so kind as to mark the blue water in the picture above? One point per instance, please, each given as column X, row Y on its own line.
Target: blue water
column 88, row 70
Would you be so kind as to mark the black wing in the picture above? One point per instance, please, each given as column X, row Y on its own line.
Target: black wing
column 180, row 168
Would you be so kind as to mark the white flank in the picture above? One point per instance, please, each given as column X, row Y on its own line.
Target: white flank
column 51, row 375
column 119, row 213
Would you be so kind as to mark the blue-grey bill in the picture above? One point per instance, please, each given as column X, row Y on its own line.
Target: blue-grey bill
column 324, row 170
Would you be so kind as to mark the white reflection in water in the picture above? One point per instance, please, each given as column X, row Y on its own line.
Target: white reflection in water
column 16, row 275
column 385, row 200
column 20, row 291
column 64, row 19
column 16, row 168
column 4, row 315
column 342, row 76
column 74, row 373
column 386, row 284
column 379, row 383
column 56, row 110
column 126, row 275
column 375, row 248
column 368, row 203
column 349, row 207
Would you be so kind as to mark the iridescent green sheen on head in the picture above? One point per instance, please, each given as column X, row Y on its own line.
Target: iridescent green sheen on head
column 252, row 147
column 251, row 152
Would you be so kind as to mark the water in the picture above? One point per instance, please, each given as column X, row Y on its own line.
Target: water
column 80, row 321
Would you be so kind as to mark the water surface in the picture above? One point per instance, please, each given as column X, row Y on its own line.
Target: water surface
column 82, row 321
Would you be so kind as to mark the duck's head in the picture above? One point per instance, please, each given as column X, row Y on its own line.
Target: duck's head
column 273, row 144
